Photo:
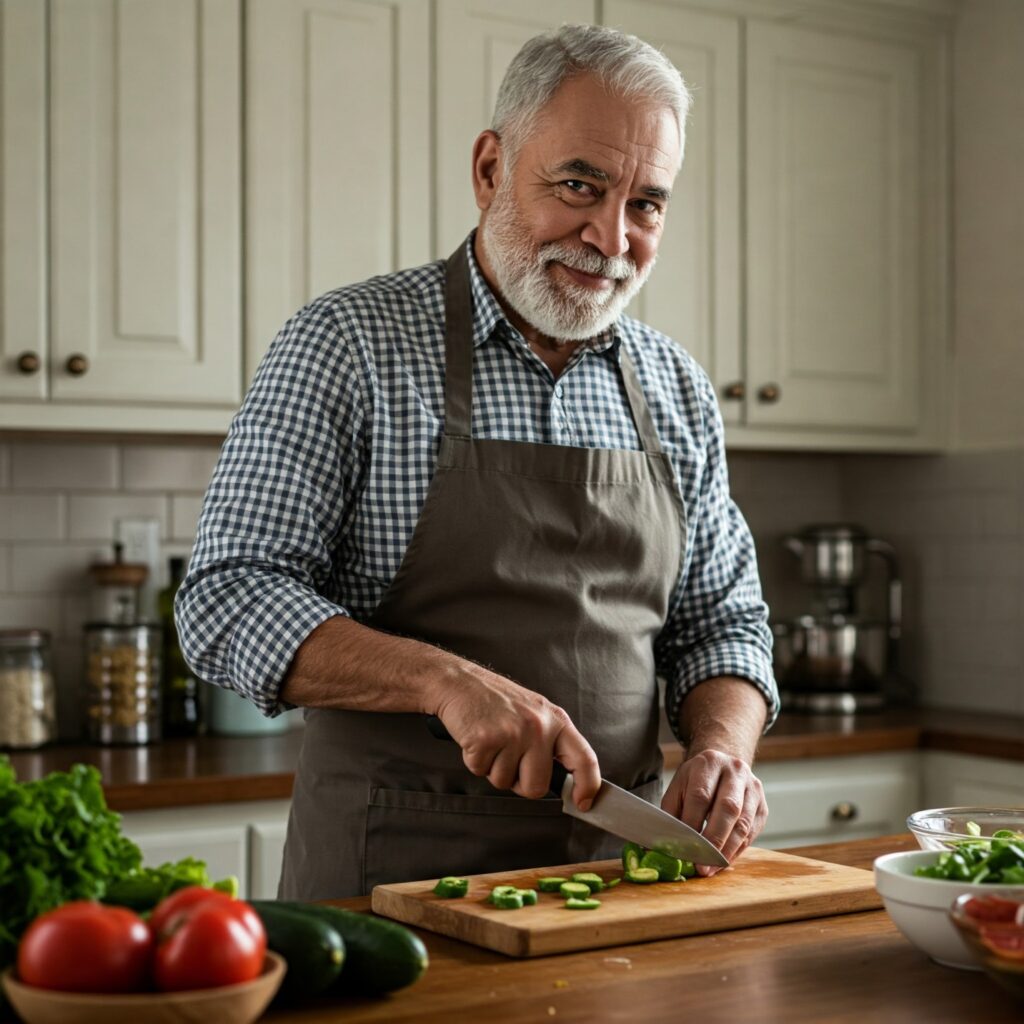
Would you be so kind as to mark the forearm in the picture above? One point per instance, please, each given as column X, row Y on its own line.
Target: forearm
column 345, row 665
column 725, row 714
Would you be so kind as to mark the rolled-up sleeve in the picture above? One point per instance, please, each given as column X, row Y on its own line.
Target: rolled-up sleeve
column 718, row 624
column 286, row 477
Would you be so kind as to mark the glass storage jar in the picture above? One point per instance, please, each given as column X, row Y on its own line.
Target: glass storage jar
column 122, row 683
column 28, row 714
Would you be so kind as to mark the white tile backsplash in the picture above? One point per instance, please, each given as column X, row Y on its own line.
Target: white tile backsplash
column 185, row 509
column 957, row 523
column 167, row 468
column 59, row 466
column 32, row 516
column 93, row 516
column 54, row 568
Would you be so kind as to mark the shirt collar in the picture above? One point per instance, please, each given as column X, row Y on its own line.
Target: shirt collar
column 489, row 316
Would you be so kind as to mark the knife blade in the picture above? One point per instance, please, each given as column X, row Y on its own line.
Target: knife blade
column 632, row 818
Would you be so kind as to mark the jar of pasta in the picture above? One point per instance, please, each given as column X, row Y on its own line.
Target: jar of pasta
column 28, row 716
column 122, row 682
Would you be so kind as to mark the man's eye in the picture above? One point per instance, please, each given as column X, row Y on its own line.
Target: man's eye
column 581, row 188
column 647, row 206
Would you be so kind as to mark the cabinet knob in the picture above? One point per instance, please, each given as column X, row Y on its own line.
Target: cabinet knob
column 768, row 393
column 844, row 811
column 76, row 365
column 735, row 391
column 28, row 362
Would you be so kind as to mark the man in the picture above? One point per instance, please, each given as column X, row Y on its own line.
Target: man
column 475, row 490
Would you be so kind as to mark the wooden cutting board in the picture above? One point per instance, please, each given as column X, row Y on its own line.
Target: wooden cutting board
column 763, row 887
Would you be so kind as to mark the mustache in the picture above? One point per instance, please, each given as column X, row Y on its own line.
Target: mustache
column 617, row 268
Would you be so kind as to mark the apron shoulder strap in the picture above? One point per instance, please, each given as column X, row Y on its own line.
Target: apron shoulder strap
column 458, row 346
column 638, row 404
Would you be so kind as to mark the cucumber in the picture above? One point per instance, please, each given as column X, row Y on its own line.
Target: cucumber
column 380, row 956
column 314, row 949
column 642, row 876
column 670, row 869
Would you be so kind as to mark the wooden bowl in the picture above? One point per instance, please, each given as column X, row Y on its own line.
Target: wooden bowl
column 227, row 1004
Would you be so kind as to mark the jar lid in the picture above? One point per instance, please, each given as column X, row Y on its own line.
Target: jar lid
column 24, row 638
column 119, row 573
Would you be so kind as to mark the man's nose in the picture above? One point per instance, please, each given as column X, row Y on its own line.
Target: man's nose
column 605, row 230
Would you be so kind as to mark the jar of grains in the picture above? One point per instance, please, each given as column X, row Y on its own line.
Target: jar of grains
column 122, row 682
column 27, row 702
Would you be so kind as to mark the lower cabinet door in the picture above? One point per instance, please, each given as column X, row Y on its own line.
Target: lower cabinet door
column 266, row 847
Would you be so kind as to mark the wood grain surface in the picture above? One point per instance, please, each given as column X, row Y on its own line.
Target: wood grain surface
column 764, row 887
column 850, row 969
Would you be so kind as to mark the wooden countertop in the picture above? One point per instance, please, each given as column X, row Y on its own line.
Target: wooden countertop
column 842, row 970
column 222, row 770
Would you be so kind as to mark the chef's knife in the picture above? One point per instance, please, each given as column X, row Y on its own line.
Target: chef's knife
column 631, row 817
column 625, row 815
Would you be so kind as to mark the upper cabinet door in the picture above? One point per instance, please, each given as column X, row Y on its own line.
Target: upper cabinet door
column 337, row 150
column 145, row 123
column 476, row 41
column 24, row 348
column 834, row 244
column 694, row 292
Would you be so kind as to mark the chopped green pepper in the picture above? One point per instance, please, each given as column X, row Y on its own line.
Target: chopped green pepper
column 642, row 876
column 450, row 887
column 581, row 904
column 551, row 883
column 632, row 854
column 574, row 889
column 670, row 869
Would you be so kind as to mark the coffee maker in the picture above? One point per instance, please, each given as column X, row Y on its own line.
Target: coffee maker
column 834, row 659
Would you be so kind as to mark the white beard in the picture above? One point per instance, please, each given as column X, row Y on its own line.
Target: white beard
column 559, row 309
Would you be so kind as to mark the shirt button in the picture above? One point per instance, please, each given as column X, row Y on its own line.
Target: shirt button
column 559, row 391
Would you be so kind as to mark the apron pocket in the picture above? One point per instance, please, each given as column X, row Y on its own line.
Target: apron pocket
column 412, row 835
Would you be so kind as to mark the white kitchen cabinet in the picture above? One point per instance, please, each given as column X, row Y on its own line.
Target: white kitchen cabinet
column 23, row 279
column 476, row 41
column 831, row 799
column 338, row 122
column 244, row 839
column 143, row 222
column 965, row 780
column 694, row 293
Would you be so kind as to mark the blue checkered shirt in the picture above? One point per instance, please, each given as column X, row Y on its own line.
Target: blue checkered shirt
column 326, row 467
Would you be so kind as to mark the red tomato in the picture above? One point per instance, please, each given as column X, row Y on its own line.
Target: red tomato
column 203, row 943
column 181, row 899
column 86, row 947
column 991, row 908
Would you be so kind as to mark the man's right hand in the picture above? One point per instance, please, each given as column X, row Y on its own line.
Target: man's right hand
column 507, row 733
column 511, row 735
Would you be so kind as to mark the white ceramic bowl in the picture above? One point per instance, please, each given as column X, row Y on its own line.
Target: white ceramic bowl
column 943, row 827
column 919, row 907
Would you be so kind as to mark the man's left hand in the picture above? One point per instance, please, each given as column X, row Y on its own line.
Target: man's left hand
column 720, row 789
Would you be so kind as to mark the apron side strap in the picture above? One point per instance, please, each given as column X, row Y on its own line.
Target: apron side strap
column 458, row 346
column 642, row 418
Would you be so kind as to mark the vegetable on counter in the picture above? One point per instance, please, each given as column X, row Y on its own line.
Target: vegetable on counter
column 84, row 946
column 380, row 956
column 205, row 939
column 60, row 843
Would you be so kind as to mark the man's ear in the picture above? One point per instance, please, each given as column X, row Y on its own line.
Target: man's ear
column 487, row 163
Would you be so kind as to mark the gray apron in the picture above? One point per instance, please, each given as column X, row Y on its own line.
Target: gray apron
column 551, row 565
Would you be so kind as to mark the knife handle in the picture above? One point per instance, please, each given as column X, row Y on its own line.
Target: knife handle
column 558, row 772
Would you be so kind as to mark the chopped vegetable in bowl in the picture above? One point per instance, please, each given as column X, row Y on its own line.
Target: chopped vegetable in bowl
column 998, row 859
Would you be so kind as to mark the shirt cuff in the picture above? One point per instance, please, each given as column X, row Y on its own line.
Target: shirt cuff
column 743, row 661
column 266, row 639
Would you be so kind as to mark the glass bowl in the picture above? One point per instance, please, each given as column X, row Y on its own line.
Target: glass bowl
column 943, row 827
column 992, row 929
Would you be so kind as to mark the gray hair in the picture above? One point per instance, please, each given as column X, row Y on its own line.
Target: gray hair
column 627, row 66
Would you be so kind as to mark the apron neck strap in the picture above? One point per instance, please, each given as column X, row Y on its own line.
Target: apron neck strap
column 458, row 346
column 458, row 357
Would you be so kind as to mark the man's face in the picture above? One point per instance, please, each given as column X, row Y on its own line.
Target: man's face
column 571, row 232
